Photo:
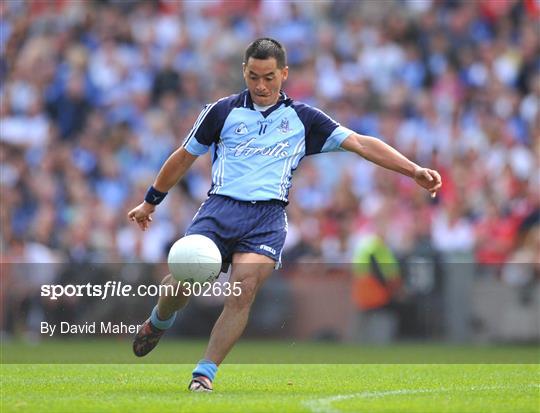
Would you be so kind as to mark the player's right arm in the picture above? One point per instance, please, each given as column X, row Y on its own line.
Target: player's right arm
column 205, row 132
column 174, row 168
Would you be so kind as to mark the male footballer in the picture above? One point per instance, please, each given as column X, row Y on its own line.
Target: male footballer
column 257, row 139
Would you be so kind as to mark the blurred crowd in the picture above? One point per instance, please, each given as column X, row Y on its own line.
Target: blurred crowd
column 96, row 94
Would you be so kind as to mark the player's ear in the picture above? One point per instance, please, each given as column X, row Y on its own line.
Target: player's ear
column 285, row 73
column 244, row 72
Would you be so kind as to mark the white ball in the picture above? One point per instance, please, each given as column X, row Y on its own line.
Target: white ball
column 194, row 259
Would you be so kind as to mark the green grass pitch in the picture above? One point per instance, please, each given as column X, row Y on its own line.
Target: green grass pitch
column 129, row 386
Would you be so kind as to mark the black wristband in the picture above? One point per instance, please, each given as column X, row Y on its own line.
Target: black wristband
column 154, row 197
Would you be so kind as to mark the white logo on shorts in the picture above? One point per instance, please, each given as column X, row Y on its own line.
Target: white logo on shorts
column 267, row 248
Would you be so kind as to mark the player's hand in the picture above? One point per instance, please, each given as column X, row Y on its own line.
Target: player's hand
column 428, row 179
column 141, row 214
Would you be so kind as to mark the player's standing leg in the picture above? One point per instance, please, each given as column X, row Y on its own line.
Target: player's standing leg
column 250, row 271
column 162, row 318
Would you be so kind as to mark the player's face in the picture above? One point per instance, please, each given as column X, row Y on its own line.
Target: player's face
column 264, row 79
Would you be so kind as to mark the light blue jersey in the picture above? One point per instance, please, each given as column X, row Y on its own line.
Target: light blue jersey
column 254, row 154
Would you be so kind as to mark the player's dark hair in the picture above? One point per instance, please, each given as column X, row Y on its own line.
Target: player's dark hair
column 265, row 48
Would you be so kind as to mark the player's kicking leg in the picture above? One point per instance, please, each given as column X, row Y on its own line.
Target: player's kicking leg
column 162, row 318
column 250, row 270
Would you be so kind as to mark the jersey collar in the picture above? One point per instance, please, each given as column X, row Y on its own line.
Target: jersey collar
column 247, row 102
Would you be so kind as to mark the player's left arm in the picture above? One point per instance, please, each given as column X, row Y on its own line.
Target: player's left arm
column 384, row 155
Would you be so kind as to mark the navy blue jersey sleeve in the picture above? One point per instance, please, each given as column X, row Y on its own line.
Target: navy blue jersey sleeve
column 323, row 134
column 207, row 128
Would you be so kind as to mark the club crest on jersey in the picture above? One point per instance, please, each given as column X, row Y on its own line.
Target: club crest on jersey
column 241, row 129
column 284, row 126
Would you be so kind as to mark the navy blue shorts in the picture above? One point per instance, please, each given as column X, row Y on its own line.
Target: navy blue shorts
column 242, row 226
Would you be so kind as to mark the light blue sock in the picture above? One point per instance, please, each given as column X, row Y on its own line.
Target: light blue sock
column 161, row 324
column 205, row 368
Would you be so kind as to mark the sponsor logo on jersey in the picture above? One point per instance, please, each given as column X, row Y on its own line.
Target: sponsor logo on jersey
column 246, row 149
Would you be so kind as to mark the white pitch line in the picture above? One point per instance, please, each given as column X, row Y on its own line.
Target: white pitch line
column 324, row 405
